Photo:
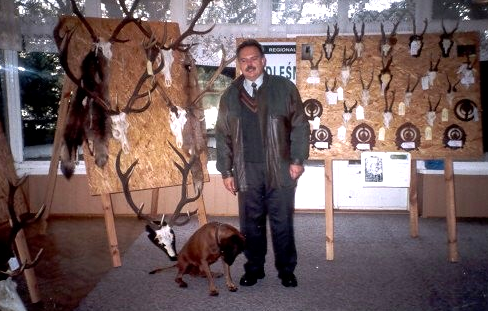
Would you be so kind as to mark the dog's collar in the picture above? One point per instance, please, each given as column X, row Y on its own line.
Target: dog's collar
column 217, row 236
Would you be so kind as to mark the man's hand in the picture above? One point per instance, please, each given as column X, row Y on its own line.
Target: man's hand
column 230, row 185
column 296, row 171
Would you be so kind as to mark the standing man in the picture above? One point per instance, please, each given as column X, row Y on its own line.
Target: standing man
column 262, row 137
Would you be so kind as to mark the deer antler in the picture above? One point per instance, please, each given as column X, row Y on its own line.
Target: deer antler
column 124, row 179
column 389, row 108
column 359, row 38
column 177, row 44
column 408, row 85
column 333, row 86
column 366, row 87
column 223, row 63
column 18, row 225
column 433, row 67
column 348, row 61
column 316, row 65
column 185, row 170
column 349, row 110
column 336, row 32
column 451, row 88
column 437, row 105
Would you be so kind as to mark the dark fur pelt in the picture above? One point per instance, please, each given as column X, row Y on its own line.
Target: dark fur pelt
column 195, row 142
column 88, row 118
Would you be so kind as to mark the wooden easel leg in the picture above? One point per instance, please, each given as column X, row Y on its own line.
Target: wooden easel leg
column 450, row 210
column 329, row 212
column 202, row 213
column 29, row 274
column 412, row 201
column 154, row 202
column 53, row 166
column 111, row 233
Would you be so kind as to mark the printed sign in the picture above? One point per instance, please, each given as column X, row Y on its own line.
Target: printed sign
column 281, row 59
column 385, row 169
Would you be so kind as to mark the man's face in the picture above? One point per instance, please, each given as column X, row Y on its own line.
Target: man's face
column 251, row 62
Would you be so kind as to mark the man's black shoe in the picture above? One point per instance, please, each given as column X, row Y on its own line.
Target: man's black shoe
column 249, row 279
column 288, row 279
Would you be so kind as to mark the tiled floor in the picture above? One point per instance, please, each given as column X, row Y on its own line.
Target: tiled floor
column 75, row 258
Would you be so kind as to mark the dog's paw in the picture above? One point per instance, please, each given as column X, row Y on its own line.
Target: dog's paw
column 181, row 283
column 232, row 288
column 214, row 292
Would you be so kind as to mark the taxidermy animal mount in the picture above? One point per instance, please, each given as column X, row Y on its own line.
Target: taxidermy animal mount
column 88, row 114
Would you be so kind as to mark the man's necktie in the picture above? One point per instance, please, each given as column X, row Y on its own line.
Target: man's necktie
column 254, row 89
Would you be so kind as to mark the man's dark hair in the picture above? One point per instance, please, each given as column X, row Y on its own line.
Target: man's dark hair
column 250, row 42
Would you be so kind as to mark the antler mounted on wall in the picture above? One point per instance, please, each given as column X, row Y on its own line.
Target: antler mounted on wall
column 447, row 39
column 8, row 246
column 358, row 40
column 416, row 41
column 387, row 44
column 329, row 44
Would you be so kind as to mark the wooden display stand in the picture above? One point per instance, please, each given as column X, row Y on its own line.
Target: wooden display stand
column 403, row 65
column 149, row 131
column 7, row 172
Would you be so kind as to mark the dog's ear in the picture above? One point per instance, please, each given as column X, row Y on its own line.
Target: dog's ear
column 231, row 247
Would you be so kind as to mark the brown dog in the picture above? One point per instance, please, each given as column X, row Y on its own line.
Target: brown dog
column 212, row 241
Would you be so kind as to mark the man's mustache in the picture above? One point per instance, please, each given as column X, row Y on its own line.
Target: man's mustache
column 249, row 68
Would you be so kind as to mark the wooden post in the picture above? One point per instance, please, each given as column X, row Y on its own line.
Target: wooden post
column 412, row 201
column 111, row 232
column 202, row 213
column 329, row 211
column 450, row 210
column 154, row 201
column 53, row 166
column 29, row 274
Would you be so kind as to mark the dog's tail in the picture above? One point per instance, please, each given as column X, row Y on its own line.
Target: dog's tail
column 161, row 269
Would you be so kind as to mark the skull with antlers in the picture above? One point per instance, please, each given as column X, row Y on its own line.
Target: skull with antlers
column 387, row 44
column 358, row 40
column 329, row 44
column 416, row 41
column 161, row 233
column 447, row 39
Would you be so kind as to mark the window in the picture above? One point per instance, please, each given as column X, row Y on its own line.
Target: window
column 380, row 11
column 290, row 12
column 40, row 79
column 233, row 19
column 460, row 9
column 224, row 12
column 210, row 102
column 149, row 10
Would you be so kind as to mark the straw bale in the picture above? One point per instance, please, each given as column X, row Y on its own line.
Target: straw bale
column 402, row 65
column 149, row 132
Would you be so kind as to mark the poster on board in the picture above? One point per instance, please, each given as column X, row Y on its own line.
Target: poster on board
column 385, row 169
column 281, row 58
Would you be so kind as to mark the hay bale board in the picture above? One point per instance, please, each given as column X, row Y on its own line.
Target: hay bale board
column 148, row 132
column 402, row 65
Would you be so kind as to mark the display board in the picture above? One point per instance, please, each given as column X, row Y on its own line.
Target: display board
column 431, row 124
column 149, row 132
